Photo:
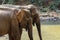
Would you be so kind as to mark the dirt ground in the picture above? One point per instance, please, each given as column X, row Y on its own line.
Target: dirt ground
column 49, row 32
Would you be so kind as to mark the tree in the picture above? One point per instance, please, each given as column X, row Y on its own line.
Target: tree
column 10, row 1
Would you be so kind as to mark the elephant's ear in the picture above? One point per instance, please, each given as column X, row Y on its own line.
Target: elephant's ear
column 20, row 15
column 16, row 11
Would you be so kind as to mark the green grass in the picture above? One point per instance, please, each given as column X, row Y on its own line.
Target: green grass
column 49, row 32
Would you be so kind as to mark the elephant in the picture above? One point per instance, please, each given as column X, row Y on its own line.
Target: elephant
column 26, row 21
column 36, row 20
column 9, row 24
column 34, row 15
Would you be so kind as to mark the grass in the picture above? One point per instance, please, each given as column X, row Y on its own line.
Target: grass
column 49, row 32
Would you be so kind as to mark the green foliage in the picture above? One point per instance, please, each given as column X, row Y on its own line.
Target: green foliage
column 52, row 5
column 10, row 1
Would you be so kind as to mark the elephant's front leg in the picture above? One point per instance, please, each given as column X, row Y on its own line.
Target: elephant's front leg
column 30, row 29
column 14, row 33
column 10, row 37
column 39, row 28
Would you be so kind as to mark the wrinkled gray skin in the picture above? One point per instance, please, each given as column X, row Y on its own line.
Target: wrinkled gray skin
column 9, row 25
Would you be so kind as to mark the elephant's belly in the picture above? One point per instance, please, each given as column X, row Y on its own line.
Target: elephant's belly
column 4, row 28
column 4, row 25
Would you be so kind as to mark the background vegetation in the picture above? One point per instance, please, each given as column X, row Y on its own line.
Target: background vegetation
column 47, row 4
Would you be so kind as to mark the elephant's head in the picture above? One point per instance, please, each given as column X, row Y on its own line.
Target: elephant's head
column 22, row 13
